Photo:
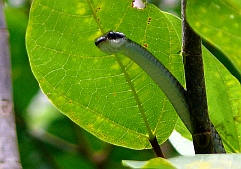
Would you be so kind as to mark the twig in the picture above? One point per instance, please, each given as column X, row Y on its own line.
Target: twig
column 196, row 92
column 9, row 155
column 156, row 148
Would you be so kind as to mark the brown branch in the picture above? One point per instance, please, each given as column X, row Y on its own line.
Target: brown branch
column 9, row 155
column 196, row 92
column 156, row 148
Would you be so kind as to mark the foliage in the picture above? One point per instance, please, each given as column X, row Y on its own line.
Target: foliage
column 105, row 94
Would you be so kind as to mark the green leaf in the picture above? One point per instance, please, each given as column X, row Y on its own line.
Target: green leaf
column 219, row 23
column 224, row 100
column 235, row 2
column 96, row 90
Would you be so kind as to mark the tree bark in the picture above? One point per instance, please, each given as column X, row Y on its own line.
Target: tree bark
column 9, row 155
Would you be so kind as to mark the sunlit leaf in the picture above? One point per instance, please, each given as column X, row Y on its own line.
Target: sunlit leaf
column 96, row 90
column 219, row 23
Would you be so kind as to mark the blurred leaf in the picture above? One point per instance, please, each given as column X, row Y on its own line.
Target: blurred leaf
column 235, row 2
column 41, row 113
column 219, row 23
column 25, row 85
column 64, row 160
column 30, row 152
column 96, row 90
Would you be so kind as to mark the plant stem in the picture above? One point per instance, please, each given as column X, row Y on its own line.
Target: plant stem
column 196, row 92
column 9, row 155
column 156, row 148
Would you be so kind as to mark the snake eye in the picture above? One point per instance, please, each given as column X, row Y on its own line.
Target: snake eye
column 114, row 35
column 99, row 40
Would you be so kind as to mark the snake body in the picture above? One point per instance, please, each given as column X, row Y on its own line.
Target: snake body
column 116, row 42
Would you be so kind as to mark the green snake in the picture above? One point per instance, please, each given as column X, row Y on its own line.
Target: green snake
column 116, row 42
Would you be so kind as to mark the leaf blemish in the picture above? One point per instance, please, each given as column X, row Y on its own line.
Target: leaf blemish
column 145, row 45
column 149, row 20
column 97, row 9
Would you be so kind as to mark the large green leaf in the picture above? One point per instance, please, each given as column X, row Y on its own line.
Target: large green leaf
column 219, row 23
column 108, row 95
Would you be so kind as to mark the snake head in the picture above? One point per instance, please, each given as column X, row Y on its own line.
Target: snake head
column 111, row 42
